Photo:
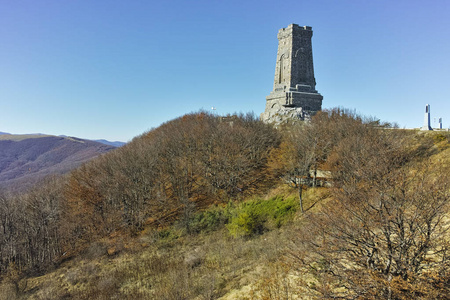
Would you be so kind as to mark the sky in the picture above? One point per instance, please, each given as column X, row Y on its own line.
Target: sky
column 114, row 69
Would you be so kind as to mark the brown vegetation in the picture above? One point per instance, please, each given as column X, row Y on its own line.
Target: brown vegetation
column 384, row 234
column 159, row 217
column 166, row 174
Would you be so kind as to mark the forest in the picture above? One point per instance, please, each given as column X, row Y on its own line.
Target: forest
column 208, row 207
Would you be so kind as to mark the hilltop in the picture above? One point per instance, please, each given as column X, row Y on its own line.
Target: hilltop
column 205, row 207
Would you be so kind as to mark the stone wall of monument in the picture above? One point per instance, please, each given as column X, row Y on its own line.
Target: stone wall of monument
column 293, row 93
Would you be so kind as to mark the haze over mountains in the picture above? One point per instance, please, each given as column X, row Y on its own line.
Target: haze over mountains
column 25, row 159
column 115, row 143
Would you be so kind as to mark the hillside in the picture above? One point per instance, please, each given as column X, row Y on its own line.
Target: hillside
column 205, row 208
column 25, row 159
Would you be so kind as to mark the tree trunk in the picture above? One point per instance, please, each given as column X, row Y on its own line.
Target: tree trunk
column 300, row 196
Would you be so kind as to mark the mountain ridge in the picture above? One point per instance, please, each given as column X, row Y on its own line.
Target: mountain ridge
column 110, row 143
column 26, row 159
column 7, row 135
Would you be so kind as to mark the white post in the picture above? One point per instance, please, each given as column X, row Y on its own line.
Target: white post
column 426, row 122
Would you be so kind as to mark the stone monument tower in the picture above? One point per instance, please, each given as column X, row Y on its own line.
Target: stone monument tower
column 294, row 94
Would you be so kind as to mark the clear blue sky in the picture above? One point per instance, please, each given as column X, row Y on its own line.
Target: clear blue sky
column 114, row 69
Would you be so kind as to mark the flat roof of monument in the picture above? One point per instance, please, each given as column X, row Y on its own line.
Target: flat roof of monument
column 300, row 27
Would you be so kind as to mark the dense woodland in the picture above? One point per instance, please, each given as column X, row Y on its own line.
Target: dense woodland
column 379, row 231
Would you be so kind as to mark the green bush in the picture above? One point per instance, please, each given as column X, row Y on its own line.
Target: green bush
column 284, row 210
column 247, row 223
column 256, row 216
column 168, row 234
column 246, row 218
column 208, row 220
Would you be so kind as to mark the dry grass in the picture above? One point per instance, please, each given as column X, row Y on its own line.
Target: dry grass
column 169, row 264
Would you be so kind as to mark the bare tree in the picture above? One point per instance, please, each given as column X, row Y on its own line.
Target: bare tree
column 384, row 232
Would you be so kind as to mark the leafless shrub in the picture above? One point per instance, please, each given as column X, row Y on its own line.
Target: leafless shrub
column 385, row 227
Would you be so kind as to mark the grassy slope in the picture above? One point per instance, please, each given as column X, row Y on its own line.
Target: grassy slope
column 171, row 264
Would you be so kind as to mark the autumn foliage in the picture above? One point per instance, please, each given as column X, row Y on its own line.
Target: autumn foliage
column 164, row 175
column 380, row 231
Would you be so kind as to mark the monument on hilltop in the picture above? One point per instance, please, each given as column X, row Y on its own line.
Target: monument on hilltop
column 294, row 95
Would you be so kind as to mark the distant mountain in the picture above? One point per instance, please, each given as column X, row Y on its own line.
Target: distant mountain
column 115, row 143
column 105, row 142
column 4, row 133
column 25, row 159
